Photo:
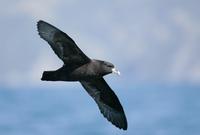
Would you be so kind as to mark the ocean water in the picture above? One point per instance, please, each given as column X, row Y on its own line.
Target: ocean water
column 152, row 110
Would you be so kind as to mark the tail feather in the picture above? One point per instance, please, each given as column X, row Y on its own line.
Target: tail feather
column 49, row 76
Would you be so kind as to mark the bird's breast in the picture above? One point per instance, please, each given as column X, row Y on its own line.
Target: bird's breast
column 86, row 71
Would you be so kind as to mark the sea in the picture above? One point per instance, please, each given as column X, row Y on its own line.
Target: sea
column 150, row 110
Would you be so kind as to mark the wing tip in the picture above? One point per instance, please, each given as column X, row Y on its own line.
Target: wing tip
column 117, row 118
column 39, row 24
column 125, row 127
column 122, row 123
column 46, row 30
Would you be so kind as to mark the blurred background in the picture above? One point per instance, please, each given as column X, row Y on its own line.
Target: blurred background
column 155, row 44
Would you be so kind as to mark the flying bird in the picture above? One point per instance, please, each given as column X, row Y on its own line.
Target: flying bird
column 89, row 72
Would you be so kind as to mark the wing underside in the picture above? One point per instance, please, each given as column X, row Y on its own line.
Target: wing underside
column 107, row 101
column 64, row 47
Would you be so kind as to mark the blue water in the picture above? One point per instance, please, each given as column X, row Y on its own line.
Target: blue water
column 156, row 110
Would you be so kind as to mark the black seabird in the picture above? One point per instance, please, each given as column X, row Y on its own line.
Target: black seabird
column 89, row 72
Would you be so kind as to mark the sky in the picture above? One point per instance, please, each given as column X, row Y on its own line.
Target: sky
column 154, row 44
column 151, row 41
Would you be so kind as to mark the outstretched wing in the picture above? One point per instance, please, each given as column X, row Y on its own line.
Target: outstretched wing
column 107, row 101
column 65, row 48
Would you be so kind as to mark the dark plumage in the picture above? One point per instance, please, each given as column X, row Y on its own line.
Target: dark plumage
column 89, row 72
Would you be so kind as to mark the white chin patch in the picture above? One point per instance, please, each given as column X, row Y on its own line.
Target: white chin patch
column 114, row 70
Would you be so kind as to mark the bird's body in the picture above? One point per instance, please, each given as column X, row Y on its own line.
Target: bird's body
column 89, row 72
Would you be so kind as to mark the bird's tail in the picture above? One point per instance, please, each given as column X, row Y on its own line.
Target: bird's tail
column 50, row 76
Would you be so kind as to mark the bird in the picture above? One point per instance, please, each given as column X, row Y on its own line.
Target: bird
column 89, row 72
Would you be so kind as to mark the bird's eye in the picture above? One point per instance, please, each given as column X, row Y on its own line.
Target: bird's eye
column 109, row 65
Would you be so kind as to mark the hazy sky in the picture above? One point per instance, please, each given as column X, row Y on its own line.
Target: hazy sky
column 149, row 41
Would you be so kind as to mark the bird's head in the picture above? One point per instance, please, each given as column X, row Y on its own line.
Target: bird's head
column 109, row 68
